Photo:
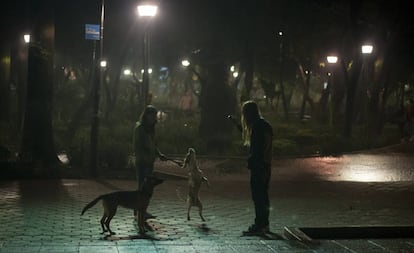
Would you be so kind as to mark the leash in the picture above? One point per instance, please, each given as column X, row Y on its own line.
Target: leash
column 179, row 163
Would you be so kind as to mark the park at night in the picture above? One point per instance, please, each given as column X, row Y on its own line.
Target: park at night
column 204, row 126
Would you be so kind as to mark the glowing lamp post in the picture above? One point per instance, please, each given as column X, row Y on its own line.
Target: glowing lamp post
column 185, row 63
column 332, row 59
column 26, row 38
column 146, row 11
column 103, row 64
column 366, row 49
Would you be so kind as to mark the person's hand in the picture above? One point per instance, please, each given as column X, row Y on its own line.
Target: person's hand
column 230, row 117
column 163, row 157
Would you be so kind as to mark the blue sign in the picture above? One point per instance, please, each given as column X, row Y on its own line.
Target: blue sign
column 92, row 32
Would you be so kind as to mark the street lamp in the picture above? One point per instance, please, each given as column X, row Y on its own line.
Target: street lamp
column 185, row 63
column 367, row 49
column 367, row 69
column 26, row 38
column 282, row 88
column 96, row 99
column 332, row 59
column 127, row 72
column 103, row 63
column 146, row 10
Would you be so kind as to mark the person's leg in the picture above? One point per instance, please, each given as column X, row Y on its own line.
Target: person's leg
column 265, row 194
column 145, row 172
column 254, row 184
column 261, row 205
column 255, row 191
column 260, row 188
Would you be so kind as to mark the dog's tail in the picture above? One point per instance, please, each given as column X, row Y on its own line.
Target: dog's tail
column 91, row 204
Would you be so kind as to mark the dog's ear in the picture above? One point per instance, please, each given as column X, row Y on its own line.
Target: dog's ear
column 191, row 150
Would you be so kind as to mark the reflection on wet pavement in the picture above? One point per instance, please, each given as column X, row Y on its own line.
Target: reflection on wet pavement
column 353, row 167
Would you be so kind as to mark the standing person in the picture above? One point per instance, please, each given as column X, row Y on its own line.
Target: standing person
column 257, row 133
column 145, row 147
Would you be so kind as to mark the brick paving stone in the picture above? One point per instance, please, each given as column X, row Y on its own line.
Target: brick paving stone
column 44, row 215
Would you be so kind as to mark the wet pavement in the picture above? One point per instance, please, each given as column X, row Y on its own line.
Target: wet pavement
column 355, row 190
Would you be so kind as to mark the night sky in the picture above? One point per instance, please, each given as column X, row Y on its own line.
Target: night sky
column 182, row 25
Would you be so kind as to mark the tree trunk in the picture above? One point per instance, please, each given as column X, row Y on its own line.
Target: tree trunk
column 4, row 89
column 352, row 77
column 37, row 145
column 215, row 104
column 305, row 77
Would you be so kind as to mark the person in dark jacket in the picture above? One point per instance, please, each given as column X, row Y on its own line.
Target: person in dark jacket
column 257, row 133
column 145, row 148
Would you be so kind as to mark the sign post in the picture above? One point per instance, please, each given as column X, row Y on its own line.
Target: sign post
column 92, row 32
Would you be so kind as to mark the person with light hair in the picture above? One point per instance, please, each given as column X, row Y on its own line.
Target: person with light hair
column 257, row 134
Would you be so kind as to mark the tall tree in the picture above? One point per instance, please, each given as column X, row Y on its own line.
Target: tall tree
column 37, row 145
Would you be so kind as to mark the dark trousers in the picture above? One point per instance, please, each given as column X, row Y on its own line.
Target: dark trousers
column 259, row 184
column 142, row 171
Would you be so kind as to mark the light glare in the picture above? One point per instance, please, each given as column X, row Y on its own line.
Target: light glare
column 127, row 72
column 185, row 63
column 332, row 59
column 147, row 10
column 26, row 38
column 367, row 49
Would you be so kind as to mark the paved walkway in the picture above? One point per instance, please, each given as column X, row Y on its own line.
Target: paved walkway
column 44, row 215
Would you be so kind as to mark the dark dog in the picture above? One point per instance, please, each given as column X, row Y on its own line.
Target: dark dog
column 137, row 200
column 195, row 178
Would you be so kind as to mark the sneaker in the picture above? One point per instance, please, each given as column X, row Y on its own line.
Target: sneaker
column 256, row 230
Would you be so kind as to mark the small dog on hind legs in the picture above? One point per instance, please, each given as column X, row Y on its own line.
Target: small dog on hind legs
column 138, row 200
column 195, row 178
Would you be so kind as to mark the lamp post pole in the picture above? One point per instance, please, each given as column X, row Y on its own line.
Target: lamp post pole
column 96, row 99
column 282, row 87
column 332, row 60
column 146, row 11
column 145, row 74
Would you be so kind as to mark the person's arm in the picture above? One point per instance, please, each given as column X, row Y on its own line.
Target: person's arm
column 235, row 122
column 137, row 142
column 161, row 155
